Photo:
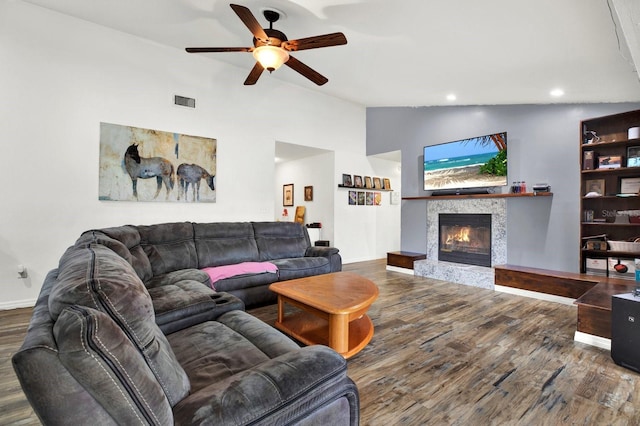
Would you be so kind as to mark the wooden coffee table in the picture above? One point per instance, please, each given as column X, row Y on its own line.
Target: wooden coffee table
column 332, row 310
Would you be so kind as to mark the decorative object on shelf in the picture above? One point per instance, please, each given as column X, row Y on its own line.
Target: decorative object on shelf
column 287, row 195
column 633, row 133
column 598, row 245
column 594, row 188
column 588, row 160
column 591, row 137
column 357, row 181
column 630, row 185
column 588, row 215
column 367, row 182
column 346, row 180
column 628, row 246
column 377, row 183
column 609, row 161
column 541, row 187
column 386, row 184
column 308, row 193
column 633, row 156
column 622, row 268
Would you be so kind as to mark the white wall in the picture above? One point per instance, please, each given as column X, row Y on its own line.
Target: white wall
column 60, row 77
column 366, row 232
column 316, row 171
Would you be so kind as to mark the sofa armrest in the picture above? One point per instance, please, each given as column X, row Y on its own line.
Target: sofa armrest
column 178, row 306
column 284, row 390
column 315, row 251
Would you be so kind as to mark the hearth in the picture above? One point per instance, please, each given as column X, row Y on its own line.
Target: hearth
column 465, row 238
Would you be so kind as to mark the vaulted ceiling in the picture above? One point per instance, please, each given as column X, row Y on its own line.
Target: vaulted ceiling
column 414, row 52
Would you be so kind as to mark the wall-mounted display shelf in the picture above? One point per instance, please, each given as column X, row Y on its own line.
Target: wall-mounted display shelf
column 465, row 196
column 360, row 188
column 609, row 178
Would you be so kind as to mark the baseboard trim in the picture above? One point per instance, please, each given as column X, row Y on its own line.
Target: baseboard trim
column 536, row 295
column 399, row 269
column 590, row 339
column 16, row 304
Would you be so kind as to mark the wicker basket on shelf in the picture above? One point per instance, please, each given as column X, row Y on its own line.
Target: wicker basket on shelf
column 628, row 246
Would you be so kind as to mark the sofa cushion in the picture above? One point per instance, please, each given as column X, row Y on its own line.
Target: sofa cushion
column 180, row 275
column 225, row 243
column 100, row 357
column 129, row 237
column 169, row 246
column 94, row 276
column 236, row 341
column 301, row 267
column 280, row 240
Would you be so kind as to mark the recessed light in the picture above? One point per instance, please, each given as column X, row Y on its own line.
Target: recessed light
column 556, row 93
column 451, row 97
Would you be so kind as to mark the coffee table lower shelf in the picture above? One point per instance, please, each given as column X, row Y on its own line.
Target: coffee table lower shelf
column 311, row 330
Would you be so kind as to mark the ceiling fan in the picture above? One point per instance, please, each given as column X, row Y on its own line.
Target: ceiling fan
column 271, row 47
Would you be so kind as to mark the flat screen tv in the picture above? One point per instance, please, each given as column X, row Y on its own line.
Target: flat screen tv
column 479, row 162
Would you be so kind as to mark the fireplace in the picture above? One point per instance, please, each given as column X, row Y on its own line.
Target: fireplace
column 465, row 238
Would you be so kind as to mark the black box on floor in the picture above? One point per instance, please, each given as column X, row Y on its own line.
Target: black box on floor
column 625, row 330
column 322, row 243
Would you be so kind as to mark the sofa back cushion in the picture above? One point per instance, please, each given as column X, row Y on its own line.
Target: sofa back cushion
column 125, row 241
column 225, row 243
column 169, row 246
column 93, row 276
column 99, row 356
column 280, row 240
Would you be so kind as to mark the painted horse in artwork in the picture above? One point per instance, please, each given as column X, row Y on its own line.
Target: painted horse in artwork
column 191, row 174
column 145, row 168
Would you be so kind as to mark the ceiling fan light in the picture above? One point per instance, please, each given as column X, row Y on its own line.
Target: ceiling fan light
column 270, row 57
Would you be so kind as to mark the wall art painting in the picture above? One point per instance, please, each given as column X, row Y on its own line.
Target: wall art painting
column 287, row 195
column 151, row 165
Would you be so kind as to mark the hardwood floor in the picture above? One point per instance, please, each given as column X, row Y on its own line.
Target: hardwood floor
column 444, row 353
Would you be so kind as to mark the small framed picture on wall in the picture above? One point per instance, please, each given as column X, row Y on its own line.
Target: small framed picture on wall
column 346, row 180
column 308, row 193
column 287, row 195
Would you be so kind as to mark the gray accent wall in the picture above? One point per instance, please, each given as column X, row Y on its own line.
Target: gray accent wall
column 543, row 146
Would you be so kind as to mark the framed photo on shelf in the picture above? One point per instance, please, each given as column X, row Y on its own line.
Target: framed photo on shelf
column 357, row 181
column 594, row 188
column 633, row 156
column 346, row 180
column 386, row 183
column 367, row 182
column 630, row 185
column 308, row 193
column 287, row 195
column 610, row 162
column 377, row 184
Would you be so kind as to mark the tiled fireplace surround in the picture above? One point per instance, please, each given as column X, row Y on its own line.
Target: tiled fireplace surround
column 477, row 276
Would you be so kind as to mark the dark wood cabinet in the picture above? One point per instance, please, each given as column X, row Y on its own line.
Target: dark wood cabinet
column 605, row 176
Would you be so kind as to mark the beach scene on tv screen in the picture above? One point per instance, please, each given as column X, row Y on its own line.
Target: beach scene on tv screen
column 469, row 163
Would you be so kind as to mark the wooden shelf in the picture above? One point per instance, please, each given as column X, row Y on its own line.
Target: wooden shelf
column 466, row 196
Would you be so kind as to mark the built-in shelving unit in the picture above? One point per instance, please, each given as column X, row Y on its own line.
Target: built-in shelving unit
column 603, row 141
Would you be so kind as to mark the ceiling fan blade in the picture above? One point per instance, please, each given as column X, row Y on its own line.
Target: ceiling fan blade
column 327, row 40
column 217, row 49
column 306, row 71
column 250, row 21
column 254, row 75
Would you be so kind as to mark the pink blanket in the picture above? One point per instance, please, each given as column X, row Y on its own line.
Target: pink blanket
column 217, row 273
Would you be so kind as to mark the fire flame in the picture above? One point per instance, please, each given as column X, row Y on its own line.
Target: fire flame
column 461, row 236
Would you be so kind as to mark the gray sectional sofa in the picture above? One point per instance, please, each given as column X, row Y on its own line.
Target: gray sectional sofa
column 128, row 330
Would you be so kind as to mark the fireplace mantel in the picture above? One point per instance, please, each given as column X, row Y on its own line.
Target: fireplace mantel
column 467, row 196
